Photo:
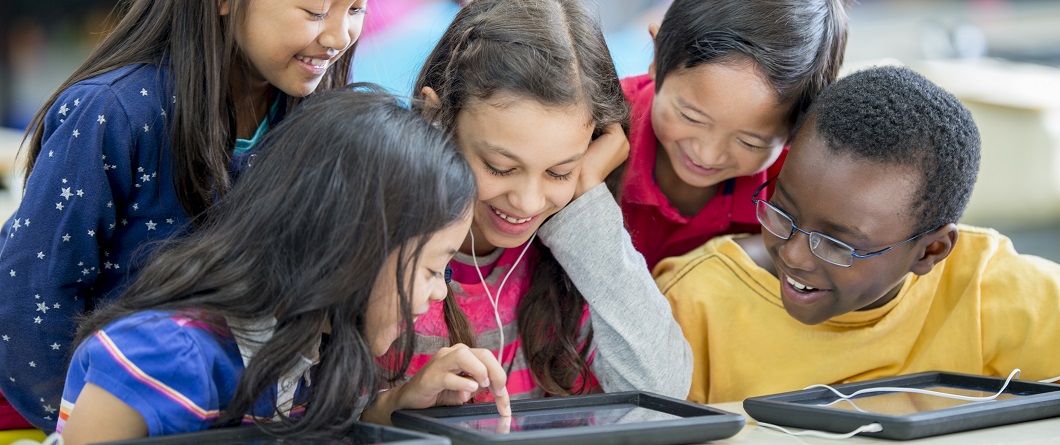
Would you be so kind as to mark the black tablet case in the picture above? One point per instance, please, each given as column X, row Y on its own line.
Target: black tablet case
column 361, row 433
column 1034, row 401
column 698, row 423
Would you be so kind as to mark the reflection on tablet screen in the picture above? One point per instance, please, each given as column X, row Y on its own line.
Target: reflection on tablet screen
column 904, row 403
column 561, row 418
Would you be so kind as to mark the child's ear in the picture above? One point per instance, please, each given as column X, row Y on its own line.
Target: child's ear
column 430, row 99
column 938, row 246
column 224, row 7
column 653, row 30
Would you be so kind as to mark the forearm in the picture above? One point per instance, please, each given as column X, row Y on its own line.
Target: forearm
column 639, row 344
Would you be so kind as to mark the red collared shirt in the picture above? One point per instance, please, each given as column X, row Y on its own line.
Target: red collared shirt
column 657, row 227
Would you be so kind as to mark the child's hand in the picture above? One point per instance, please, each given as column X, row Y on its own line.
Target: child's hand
column 452, row 377
column 605, row 154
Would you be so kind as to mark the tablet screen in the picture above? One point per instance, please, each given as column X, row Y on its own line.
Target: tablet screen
column 560, row 418
column 903, row 403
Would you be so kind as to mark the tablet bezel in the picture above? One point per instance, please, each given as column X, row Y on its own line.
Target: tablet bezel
column 699, row 423
column 781, row 409
column 360, row 433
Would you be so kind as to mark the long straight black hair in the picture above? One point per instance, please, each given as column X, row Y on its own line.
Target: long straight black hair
column 343, row 181
column 552, row 52
column 198, row 47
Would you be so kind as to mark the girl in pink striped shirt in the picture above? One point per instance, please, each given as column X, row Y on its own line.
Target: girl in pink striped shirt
column 547, row 278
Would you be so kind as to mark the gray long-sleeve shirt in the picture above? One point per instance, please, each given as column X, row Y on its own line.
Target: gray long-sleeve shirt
column 639, row 345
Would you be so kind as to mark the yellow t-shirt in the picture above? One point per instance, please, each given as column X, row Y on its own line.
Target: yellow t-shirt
column 985, row 309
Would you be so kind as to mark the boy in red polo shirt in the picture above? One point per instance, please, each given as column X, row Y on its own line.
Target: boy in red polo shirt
column 737, row 76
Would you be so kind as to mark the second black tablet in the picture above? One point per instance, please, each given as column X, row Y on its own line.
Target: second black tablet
column 910, row 415
column 629, row 417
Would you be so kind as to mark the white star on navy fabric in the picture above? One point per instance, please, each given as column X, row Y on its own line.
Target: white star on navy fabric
column 40, row 255
column 56, row 306
column 50, row 153
column 16, row 225
column 49, row 409
column 59, row 205
column 101, row 119
column 169, row 220
column 151, row 225
column 42, row 307
column 146, row 128
column 66, row 193
column 27, row 222
column 76, row 133
column 63, row 110
column 66, row 238
column 6, row 338
column 91, row 233
column 32, row 364
column 80, row 193
column 37, row 319
column 55, row 346
column 12, row 272
column 143, row 91
column 77, row 102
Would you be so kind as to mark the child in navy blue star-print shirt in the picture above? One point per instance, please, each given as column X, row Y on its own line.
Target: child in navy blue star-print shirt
column 133, row 147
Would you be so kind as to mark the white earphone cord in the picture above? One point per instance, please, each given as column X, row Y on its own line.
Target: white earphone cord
column 494, row 300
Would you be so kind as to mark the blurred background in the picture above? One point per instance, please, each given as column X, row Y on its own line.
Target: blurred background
column 1001, row 57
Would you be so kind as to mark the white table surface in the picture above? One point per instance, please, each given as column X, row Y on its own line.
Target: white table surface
column 1046, row 431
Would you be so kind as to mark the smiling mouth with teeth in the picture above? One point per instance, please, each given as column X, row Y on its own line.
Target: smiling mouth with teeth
column 319, row 63
column 509, row 218
column 799, row 286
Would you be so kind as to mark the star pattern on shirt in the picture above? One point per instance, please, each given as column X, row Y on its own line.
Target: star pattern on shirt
column 97, row 207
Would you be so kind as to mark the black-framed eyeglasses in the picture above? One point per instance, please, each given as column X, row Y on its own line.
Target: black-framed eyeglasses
column 827, row 248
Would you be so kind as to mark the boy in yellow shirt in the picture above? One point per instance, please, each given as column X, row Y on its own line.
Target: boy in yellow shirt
column 861, row 271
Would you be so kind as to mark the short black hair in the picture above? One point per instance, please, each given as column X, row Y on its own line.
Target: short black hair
column 895, row 116
column 797, row 45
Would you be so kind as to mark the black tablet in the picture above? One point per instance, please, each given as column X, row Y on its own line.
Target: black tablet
column 361, row 433
column 908, row 415
column 627, row 417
